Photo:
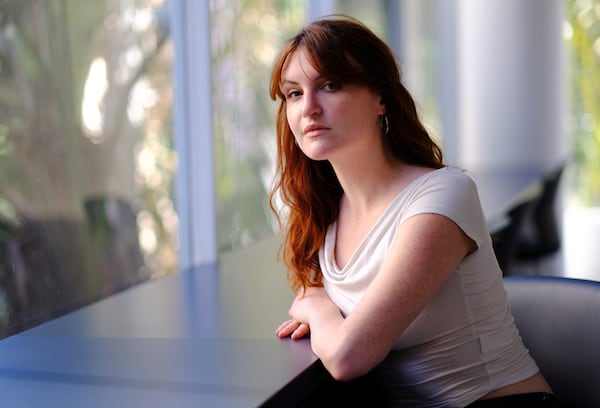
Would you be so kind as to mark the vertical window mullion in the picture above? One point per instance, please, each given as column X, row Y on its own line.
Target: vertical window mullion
column 194, row 133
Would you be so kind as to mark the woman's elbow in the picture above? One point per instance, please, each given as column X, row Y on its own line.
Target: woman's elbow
column 344, row 374
column 346, row 368
column 345, row 360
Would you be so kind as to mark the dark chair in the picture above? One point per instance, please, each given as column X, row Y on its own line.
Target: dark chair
column 505, row 240
column 542, row 238
column 559, row 321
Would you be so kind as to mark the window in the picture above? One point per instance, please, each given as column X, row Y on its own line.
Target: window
column 246, row 37
column 582, row 34
column 86, row 157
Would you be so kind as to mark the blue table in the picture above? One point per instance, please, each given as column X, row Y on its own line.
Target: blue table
column 201, row 338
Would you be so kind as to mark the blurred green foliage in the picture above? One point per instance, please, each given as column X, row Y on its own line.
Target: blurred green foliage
column 86, row 156
column 583, row 36
column 246, row 35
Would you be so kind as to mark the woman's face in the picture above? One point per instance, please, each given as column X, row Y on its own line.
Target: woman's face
column 329, row 119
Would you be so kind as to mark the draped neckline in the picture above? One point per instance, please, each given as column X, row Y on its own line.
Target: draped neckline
column 331, row 237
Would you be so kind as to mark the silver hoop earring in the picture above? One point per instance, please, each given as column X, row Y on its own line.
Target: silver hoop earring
column 384, row 123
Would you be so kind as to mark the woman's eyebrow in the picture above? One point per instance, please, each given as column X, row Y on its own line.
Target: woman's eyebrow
column 286, row 81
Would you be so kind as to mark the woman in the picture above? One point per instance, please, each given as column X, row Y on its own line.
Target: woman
column 387, row 248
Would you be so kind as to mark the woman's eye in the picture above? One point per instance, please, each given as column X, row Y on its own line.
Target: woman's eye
column 292, row 94
column 331, row 86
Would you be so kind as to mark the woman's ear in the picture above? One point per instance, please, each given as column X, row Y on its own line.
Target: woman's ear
column 382, row 103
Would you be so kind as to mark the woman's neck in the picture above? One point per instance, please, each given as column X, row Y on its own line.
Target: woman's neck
column 366, row 183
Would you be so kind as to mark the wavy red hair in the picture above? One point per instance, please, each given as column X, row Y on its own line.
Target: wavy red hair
column 344, row 51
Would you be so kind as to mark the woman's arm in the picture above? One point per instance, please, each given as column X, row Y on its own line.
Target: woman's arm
column 426, row 251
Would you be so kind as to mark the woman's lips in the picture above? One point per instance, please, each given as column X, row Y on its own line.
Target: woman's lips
column 314, row 130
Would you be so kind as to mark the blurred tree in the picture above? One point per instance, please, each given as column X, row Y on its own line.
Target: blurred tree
column 85, row 153
column 583, row 34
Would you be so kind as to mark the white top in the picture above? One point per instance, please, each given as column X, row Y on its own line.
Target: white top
column 464, row 343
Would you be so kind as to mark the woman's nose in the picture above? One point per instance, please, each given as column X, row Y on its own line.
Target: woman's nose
column 312, row 105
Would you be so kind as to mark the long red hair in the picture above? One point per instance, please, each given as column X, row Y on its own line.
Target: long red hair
column 344, row 51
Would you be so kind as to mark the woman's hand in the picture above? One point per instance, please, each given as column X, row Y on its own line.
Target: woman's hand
column 293, row 329
column 308, row 302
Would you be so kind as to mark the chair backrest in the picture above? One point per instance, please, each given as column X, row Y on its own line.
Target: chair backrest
column 545, row 239
column 559, row 321
column 545, row 215
column 505, row 240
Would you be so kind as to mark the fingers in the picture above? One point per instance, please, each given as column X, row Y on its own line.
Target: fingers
column 302, row 331
column 293, row 329
column 286, row 328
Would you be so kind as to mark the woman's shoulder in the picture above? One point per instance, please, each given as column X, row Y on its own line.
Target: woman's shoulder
column 453, row 172
column 446, row 187
column 452, row 177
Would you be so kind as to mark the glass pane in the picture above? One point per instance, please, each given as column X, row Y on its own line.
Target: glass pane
column 370, row 13
column 86, row 158
column 420, row 60
column 246, row 35
column 416, row 49
column 582, row 35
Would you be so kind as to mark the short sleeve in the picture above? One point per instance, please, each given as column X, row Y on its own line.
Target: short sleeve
column 453, row 194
